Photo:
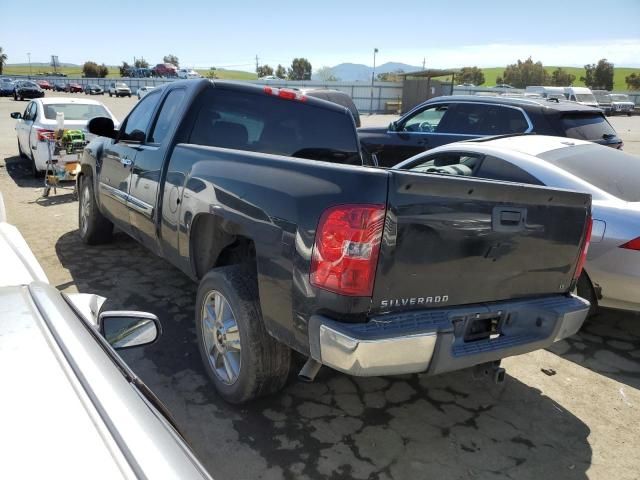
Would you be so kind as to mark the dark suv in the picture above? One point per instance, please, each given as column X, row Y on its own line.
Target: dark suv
column 450, row 119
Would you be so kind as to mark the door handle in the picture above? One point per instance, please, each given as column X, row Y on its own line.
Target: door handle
column 126, row 162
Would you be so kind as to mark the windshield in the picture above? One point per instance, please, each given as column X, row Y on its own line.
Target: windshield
column 27, row 84
column 587, row 126
column 121, row 85
column 620, row 98
column 585, row 98
column 75, row 111
column 609, row 169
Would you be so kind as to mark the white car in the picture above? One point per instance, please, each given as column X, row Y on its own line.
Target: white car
column 142, row 91
column 188, row 73
column 66, row 394
column 36, row 124
column 611, row 276
column 119, row 89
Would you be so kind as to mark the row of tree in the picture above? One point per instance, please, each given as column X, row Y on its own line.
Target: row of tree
column 300, row 69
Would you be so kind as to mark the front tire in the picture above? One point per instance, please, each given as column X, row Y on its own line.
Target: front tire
column 241, row 358
column 93, row 226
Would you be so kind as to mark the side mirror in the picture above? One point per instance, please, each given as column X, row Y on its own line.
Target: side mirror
column 393, row 126
column 102, row 127
column 16, row 115
column 126, row 329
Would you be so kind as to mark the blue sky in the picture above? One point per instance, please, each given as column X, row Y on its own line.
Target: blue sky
column 204, row 33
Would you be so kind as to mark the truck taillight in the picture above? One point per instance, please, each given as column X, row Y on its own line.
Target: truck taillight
column 585, row 249
column 632, row 244
column 345, row 253
column 44, row 135
column 285, row 93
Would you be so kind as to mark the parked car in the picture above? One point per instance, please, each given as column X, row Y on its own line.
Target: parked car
column 93, row 89
column 119, row 89
column 621, row 103
column 60, row 348
column 267, row 204
column 26, row 89
column 502, row 85
column 186, row 73
column 611, row 277
column 44, row 84
column 74, row 88
column 582, row 95
column 165, row 70
column 6, row 88
column 335, row 96
column 35, row 126
column 59, row 87
column 547, row 92
column 603, row 98
column 142, row 91
column 443, row 120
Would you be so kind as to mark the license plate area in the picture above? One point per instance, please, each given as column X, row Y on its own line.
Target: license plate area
column 483, row 327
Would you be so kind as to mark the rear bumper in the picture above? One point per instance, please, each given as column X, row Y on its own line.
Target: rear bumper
column 433, row 341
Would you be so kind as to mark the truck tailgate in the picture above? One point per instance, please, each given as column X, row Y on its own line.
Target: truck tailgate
column 455, row 241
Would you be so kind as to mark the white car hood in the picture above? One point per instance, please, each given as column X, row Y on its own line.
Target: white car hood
column 19, row 265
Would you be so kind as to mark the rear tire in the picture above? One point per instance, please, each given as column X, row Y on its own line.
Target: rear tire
column 94, row 228
column 260, row 364
column 585, row 290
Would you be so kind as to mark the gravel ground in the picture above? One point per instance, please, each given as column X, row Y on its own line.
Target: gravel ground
column 578, row 420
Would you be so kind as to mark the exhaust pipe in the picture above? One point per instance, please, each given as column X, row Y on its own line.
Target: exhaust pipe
column 309, row 370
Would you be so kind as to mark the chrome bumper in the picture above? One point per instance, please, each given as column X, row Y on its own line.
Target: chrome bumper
column 433, row 341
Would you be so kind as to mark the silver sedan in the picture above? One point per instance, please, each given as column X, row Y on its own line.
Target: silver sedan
column 612, row 273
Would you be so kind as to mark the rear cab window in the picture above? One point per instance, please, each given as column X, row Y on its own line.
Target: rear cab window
column 260, row 122
column 586, row 126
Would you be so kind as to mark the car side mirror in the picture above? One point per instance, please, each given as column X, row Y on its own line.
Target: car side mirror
column 126, row 329
column 393, row 126
column 16, row 115
column 102, row 127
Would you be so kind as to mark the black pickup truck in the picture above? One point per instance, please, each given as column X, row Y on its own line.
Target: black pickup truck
column 260, row 195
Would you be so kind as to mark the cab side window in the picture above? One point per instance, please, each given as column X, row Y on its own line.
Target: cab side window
column 482, row 119
column 497, row 169
column 138, row 122
column 426, row 121
column 30, row 112
column 167, row 115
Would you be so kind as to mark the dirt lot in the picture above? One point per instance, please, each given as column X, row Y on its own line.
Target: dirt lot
column 578, row 420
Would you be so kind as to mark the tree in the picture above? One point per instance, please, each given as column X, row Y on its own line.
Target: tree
column 93, row 70
column 264, row 70
column 326, row 74
column 125, row 69
column 633, row 81
column 499, row 80
column 300, row 69
column 281, row 72
column 522, row 74
column 470, row 75
column 3, row 60
column 390, row 76
column 172, row 59
column 599, row 76
column 141, row 63
column 562, row 78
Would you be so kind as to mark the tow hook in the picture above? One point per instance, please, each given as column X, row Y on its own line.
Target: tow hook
column 491, row 369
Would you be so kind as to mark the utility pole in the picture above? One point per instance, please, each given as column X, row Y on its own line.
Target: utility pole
column 257, row 64
column 373, row 75
column 30, row 73
column 424, row 62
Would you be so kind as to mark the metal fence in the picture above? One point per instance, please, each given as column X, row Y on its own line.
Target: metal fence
column 385, row 94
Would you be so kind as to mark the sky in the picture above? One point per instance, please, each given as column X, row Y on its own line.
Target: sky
column 205, row 33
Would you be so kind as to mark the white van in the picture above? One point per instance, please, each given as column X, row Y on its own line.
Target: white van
column 547, row 92
column 581, row 95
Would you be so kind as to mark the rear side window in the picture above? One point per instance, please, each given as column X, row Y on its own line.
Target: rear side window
column 481, row 119
column 497, row 169
column 589, row 126
column 137, row 123
column 263, row 123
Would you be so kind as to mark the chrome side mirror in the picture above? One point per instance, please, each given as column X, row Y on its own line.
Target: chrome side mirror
column 126, row 329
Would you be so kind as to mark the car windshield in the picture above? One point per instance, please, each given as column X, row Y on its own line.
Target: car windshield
column 609, row 169
column 585, row 98
column 620, row 98
column 588, row 126
column 27, row 84
column 75, row 111
column 121, row 85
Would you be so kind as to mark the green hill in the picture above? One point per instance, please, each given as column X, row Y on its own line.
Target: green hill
column 490, row 75
column 76, row 71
